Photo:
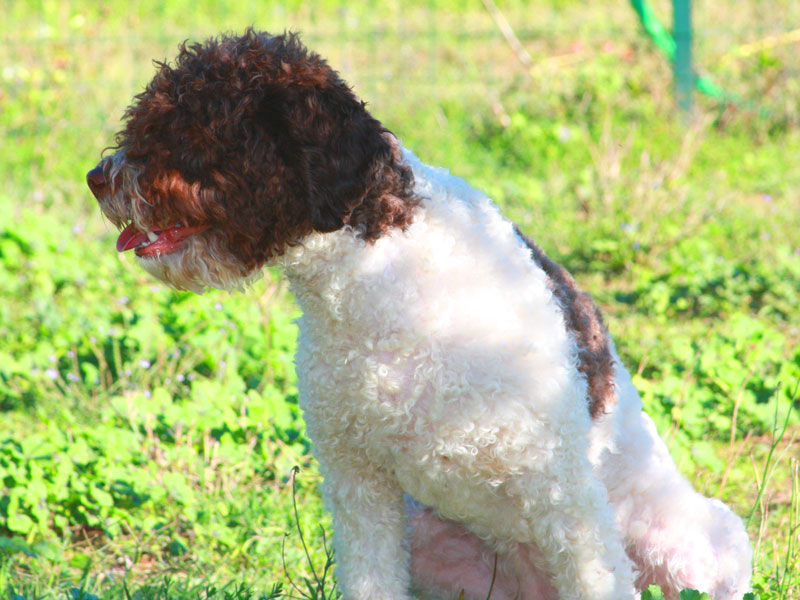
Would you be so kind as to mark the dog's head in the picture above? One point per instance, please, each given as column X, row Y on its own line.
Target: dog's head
column 240, row 149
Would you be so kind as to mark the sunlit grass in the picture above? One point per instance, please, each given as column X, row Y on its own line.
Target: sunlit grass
column 152, row 434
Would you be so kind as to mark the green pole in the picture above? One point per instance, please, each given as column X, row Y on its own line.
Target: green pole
column 682, row 63
column 669, row 46
column 654, row 28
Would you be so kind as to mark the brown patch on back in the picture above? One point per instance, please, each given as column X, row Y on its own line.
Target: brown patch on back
column 585, row 322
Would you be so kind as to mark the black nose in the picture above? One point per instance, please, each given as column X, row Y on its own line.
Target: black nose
column 96, row 181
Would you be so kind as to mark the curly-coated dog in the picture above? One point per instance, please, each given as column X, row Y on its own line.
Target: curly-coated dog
column 470, row 415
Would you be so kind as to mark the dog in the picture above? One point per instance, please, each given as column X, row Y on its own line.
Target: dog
column 476, row 430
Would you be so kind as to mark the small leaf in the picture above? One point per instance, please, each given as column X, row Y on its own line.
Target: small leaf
column 19, row 522
column 79, row 594
column 176, row 548
column 11, row 545
column 652, row 593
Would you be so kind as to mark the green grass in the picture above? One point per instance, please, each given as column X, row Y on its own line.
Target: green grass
column 147, row 437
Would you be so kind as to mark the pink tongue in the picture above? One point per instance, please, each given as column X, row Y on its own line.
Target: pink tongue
column 130, row 238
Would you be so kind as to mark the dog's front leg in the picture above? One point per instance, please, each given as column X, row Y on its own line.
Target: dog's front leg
column 369, row 527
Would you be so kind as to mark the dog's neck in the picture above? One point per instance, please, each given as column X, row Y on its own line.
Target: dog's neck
column 323, row 264
column 320, row 265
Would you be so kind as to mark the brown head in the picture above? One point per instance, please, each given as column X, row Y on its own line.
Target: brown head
column 241, row 148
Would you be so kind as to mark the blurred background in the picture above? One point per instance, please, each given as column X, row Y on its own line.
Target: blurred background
column 147, row 436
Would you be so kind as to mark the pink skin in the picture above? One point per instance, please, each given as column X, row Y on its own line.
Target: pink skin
column 447, row 559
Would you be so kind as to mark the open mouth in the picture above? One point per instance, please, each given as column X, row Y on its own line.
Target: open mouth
column 158, row 242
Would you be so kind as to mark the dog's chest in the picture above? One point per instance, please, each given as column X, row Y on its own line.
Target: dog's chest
column 427, row 331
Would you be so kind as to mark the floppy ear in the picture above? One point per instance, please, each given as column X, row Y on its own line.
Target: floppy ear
column 342, row 146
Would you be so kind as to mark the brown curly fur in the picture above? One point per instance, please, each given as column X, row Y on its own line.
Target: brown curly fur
column 585, row 321
column 262, row 140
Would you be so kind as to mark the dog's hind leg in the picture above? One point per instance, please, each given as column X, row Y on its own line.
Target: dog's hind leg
column 570, row 522
column 561, row 512
column 677, row 537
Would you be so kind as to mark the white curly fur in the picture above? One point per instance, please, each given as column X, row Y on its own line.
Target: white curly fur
column 436, row 363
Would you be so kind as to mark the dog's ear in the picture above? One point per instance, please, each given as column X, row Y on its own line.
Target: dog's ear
column 334, row 147
column 342, row 169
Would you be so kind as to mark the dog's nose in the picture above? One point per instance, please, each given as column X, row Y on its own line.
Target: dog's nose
column 96, row 181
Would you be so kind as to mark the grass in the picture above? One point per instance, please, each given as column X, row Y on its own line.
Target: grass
column 148, row 438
